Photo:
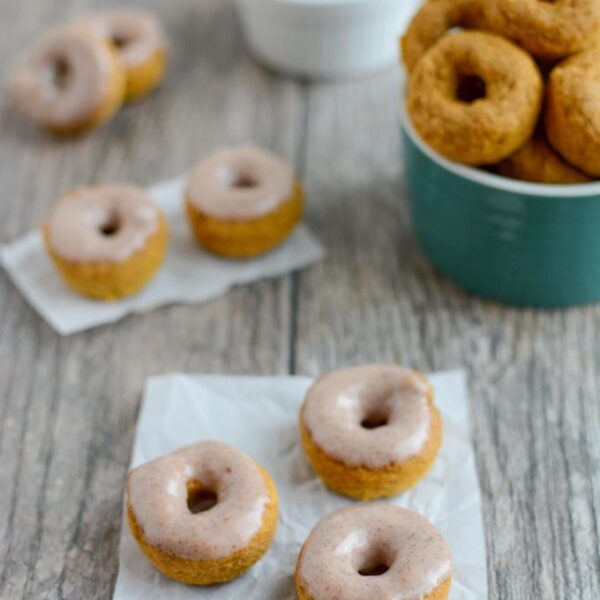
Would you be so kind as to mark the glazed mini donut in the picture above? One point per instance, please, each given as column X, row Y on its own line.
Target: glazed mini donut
column 538, row 162
column 434, row 19
column 243, row 202
column 70, row 82
column 475, row 97
column 140, row 40
column 371, row 431
column 204, row 514
column 374, row 551
column 107, row 241
column 546, row 29
column 572, row 116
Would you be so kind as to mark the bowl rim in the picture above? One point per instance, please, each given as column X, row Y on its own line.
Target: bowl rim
column 491, row 180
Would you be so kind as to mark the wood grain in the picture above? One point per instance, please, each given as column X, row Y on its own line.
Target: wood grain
column 69, row 405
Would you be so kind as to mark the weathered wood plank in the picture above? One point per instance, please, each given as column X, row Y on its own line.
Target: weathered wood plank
column 534, row 376
column 69, row 406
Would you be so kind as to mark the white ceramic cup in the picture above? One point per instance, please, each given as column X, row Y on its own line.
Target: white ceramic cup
column 326, row 39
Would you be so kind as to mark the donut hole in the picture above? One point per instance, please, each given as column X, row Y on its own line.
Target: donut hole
column 373, row 570
column 62, row 74
column 470, row 88
column 375, row 418
column 111, row 226
column 373, row 563
column 244, row 181
column 237, row 178
column 119, row 41
column 200, row 498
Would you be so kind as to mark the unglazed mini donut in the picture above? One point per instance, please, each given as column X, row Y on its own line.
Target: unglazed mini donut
column 434, row 19
column 374, row 552
column 70, row 82
column 546, row 29
column 107, row 241
column 243, row 202
column 537, row 161
column 371, row 431
column 204, row 514
column 572, row 115
column 475, row 97
column 140, row 41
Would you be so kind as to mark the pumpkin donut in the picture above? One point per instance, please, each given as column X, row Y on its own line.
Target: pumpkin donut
column 371, row 431
column 204, row 514
column 374, row 551
column 242, row 202
column 106, row 242
column 546, row 29
column 572, row 116
column 433, row 20
column 538, row 162
column 70, row 82
column 140, row 41
column 475, row 97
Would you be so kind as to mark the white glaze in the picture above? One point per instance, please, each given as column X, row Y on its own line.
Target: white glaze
column 140, row 33
column 36, row 91
column 213, row 185
column 340, row 401
column 157, row 494
column 75, row 226
column 417, row 556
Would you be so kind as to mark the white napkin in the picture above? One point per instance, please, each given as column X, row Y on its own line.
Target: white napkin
column 260, row 416
column 189, row 275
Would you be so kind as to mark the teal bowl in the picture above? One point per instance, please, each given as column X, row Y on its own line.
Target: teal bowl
column 523, row 244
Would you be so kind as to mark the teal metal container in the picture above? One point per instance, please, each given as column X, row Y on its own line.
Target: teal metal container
column 521, row 243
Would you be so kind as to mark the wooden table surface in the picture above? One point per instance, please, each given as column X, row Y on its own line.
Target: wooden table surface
column 68, row 406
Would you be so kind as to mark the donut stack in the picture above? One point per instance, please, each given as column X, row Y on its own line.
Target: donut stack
column 78, row 75
column 508, row 85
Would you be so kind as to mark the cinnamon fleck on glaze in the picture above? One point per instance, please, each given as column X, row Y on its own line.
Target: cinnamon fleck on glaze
column 341, row 403
column 64, row 79
column 240, row 183
column 105, row 223
column 138, row 35
column 157, row 494
column 343, row 553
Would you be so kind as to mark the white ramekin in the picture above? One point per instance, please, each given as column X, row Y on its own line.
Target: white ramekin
column 325, row 39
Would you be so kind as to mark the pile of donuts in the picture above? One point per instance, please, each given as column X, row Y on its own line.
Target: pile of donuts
column 109, row 241
column 206, row 513
column 78, row 75
column 512, row 86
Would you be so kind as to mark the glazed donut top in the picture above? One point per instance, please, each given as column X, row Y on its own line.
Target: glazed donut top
column 240, row 183
column 346, row 550
column 372, row 416
column 64, row 79
column 138, row 35
column 157, row 494
column 106, row 223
